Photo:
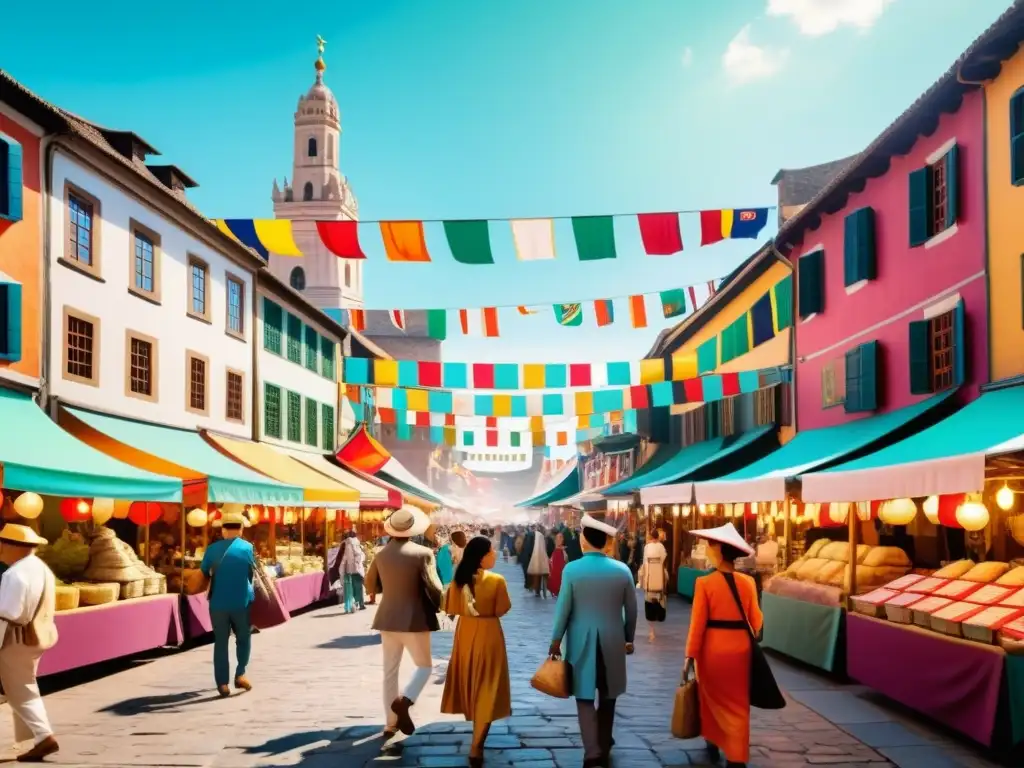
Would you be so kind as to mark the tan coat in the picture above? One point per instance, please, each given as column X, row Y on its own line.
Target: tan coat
column 405, row 574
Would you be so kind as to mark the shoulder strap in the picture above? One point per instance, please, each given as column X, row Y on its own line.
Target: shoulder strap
column 221, row 558
column 730, row 579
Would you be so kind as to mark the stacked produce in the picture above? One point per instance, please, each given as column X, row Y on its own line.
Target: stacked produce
column 112, row 561
column 67, row 556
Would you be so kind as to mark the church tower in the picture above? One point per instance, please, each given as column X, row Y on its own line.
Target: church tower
column 317, row 191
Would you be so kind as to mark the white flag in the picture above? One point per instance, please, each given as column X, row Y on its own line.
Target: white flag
column 534, row 239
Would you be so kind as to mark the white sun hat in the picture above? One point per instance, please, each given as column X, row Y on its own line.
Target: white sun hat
column 725, row 534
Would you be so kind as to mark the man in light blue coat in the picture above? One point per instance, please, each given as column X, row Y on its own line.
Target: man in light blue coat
column 596, row 613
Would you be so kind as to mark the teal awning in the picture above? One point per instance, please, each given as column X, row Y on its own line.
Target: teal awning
column 37, row 455
column 765, row 480
column 227, row 480
column 699, row 455
column 565, row 486
column 947, row 457
column 634, row 482
column 407, row 488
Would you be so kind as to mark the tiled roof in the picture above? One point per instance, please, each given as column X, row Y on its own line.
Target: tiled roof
column 799, row 185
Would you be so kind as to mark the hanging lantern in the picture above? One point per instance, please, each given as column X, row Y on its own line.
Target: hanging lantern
column 121, row 507
column 838, row 512
column 75, row 510
column 171, row 513
column 289, row 517
column 1004, row 498
column 102, row 510
column 29, row 505
column 931, row 509
column 308, row 512
column 196, row 518
column 144, row 512
column 898, row 512
column 972, row 515
column 687, row 510
column 863, row 511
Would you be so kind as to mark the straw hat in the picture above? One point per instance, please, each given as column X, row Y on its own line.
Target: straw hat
column 725, row 534
column 21, row 534
column 406, row 522
column 231, row 518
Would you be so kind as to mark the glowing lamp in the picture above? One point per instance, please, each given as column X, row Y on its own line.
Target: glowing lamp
column 29, row 505
column 75, row 510
column 1004, row 498
column 972, row 516
column 898, row 512
column 931, row 509
column 102, row 510
column 838, row 512
column 144, row 512
column 196, row 518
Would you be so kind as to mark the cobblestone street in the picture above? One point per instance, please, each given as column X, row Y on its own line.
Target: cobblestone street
column 316, row 704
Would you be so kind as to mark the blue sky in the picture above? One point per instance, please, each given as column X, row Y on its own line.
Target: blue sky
column 462, row 109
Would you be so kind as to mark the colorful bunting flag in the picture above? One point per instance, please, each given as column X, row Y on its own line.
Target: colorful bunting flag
column 244, row 231
column 595, row 237
column 464, row 321
column 469, row 241
column 489, row 317
column 357, row 319
column 660, row 233
column 276, row 236
column 437, row 324
column 534, row 239
column 731, row 223
column 673, row 302
column 404, row 241
column 604, row 311
column 526, row 310
column 569, row 314
column 637, row 311
column 397, row 317
column 341, row 238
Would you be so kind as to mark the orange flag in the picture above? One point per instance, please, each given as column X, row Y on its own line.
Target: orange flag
column 404, row 241
column 637, row 311
column 464, row 321
column 357, row 319
column 490, row 321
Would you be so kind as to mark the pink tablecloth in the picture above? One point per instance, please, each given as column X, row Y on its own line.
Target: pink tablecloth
column 196, row 612
column 302, row 590
column 104, row 632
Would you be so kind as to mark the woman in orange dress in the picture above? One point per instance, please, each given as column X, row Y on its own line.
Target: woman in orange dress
column 720, row 645
column 477, row 684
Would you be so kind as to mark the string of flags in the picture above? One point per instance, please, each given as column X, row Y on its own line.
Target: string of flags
column 673, row 302
column 595, row 238
column 768, row 316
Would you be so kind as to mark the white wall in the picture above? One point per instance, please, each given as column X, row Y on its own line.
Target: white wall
column 167, row 322
column 294, row 377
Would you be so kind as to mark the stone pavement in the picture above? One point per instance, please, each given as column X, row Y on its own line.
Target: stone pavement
column 316, row 704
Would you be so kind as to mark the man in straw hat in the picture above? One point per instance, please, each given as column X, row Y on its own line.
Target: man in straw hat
column 27, row 605
column 230, row 565
column 406, row 575
column 596, row 613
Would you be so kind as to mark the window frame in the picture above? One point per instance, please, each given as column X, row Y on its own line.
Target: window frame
column 228, row 373
column 267, row 387
column 68, row 314
column 153, row 396
column 1016, row 107
column 95, row 269
column 942, row 376
column 229, row 278
column 136, row 228
column 204, row 316
column 190, row 356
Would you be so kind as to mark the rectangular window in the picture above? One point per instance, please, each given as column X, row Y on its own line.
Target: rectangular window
column 10, row 179
column 937, row 352
column 811, row 284
column 312, row 348
column 327, row 428
column 934, row 197
column 235, row 406
column 236, row 307
column 327, row 357
column 295, row 417
column 197, row 369
column 140, row 366
column 198, row 276
column 80, row 223
column 1017, row 138
column 862, row 378
column 81, row 347
column 294, row 339
column 145, row 245
column 833, row 382
column 272, row 411
column 10, row 322
column 311, row 422
column 859, row 246
column 272, row 319
column 940, row 333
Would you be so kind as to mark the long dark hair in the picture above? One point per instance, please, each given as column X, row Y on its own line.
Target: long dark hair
column 476, row 550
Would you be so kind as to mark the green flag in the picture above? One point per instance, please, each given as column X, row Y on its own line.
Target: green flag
column 437, row 324
column 569, row 314
column 595, row 237
column 469, row 241
column 467, row 439
column 673, row 302
column 514, row 439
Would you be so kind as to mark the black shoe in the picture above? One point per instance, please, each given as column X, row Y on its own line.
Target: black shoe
column 714, row 753
column 400, row 707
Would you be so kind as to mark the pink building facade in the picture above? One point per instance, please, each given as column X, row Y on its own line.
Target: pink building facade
column 890, row 264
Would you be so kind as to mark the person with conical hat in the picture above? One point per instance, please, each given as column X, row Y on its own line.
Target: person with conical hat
column 596, row 615
column 405, row 574
column 718, row 646
column 230, row 565
column 28, row 602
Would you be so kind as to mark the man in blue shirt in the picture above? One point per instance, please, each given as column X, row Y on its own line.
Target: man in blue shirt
column 229, row 565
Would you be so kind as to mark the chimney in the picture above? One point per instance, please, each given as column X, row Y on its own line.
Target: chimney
column 172, row 177
column 799, row 186
column 129, row 145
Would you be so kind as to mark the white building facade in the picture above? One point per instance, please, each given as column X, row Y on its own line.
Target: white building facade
column 298, row 364
column 150, row 308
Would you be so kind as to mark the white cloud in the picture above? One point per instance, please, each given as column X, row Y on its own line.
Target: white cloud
column 820, row 17
column 745, row 62
column 687, row 56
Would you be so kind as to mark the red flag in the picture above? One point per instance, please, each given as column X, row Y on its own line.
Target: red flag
column 490, row 321
column 579, row 374
column 711, row 227
column 492, row 438
column 491, row 422
column 604, row 311
column 422, row 419
column 483, row 375
column 428, row 373
column 660, row 233
column 357, row 319
column 341, row 238
column 397, row 318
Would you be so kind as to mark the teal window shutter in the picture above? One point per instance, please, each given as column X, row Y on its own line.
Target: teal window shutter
column 707, row 356
column 10, row 322
column 327, row 428
column 859, row 246
column 784, row 302
column 327, row 358
column 862, row 378
column 294, row 339
column 311, row 422
column 952, row 162
column 294, row 417
column 851, row 402
column 273, row 319
column 811, row 284
column 959, row 348
column 272, row 410
column 312, row 348
column 920, row 353
column 10, row 179
column 920, row 206
column 1017, row 138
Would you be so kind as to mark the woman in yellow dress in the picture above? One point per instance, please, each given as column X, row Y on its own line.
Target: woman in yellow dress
column 477, row 684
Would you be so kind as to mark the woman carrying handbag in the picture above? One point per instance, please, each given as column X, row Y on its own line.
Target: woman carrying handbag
column 731, row 669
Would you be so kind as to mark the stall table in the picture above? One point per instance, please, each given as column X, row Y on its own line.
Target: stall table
column 95, row 634
column 686, row 580
column 302, row 590
column 195, row 610
column 809, row 632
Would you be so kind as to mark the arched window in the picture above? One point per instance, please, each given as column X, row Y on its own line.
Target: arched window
column 307, row 191
column 297, row 279
column 348, row 275
column 311, row 149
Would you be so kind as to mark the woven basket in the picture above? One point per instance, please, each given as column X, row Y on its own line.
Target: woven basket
column 132, row 589
column 154, row 585
column 97, row 594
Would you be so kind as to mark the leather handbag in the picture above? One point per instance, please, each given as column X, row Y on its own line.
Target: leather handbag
column 553, row 678
column 764, row 691
column 686, row 709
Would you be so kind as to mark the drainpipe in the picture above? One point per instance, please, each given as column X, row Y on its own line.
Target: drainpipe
column 255, row 407
column 792, row 338
column 48, row 150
